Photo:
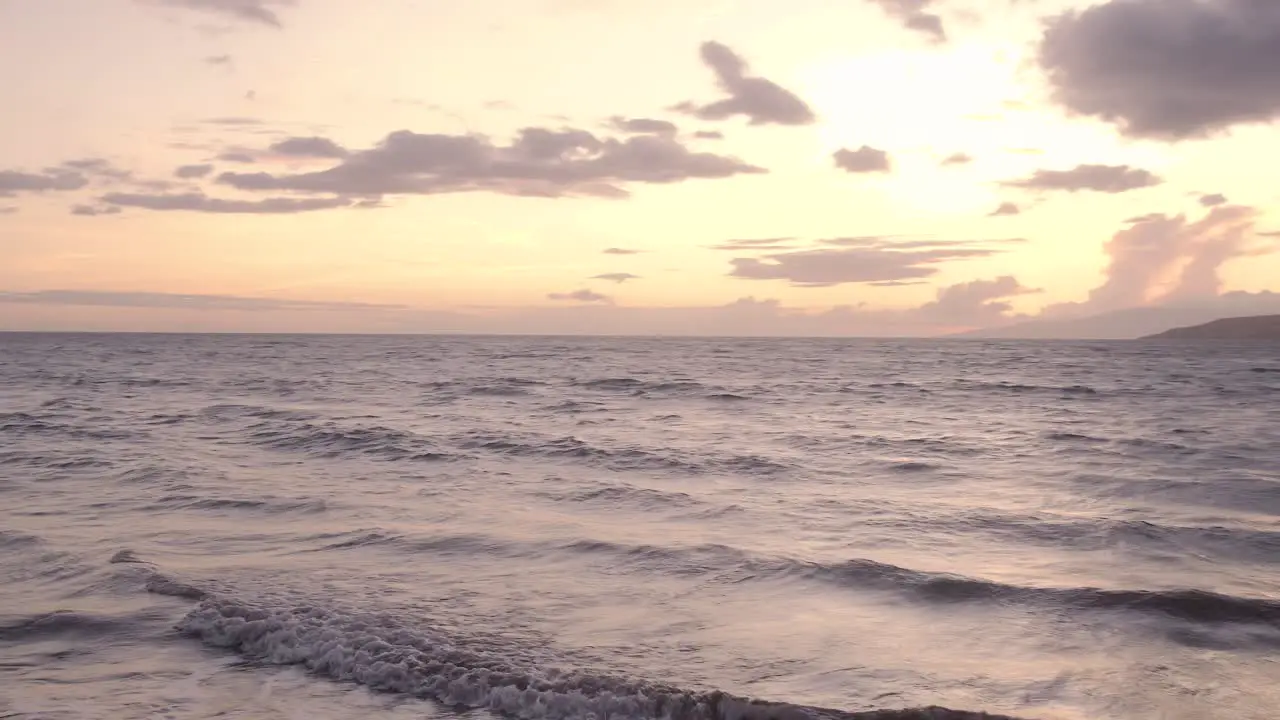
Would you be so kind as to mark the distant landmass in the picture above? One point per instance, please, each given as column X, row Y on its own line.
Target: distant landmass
column 1117, row 325
column 1256, row 327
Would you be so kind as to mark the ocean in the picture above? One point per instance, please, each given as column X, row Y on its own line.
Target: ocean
column 328, row 527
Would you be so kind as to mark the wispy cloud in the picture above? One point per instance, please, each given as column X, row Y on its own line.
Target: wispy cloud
column 199, row 202
column 617, row 277
column 261, row 12
column 187, row 172
column 914, row 16
column 13, row 182
column 860, row 260
column 539, row 163
column 583, row 296
column 1097, row 178
column 109, row 298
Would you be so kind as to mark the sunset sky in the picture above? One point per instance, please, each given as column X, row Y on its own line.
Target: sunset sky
column 863, row 167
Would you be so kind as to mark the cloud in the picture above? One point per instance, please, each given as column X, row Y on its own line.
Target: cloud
column 109, row 298
column 865, row 159
column 251, row 11
column 1006, row 208
column 780, row 243
column 538, row 163
column 761, row 101
column 13, row 182
column 620, row 251
column 309, row 147
column 618, row 277
column 234, row 121
column 979, row 302
column 187, row 172
column 91, row 211
column 199, row 202
column 1098, row 178
column 958, row 159
column 7, row 210
column 643, row 125
column 1143, row 218
column 1160, row 259
column 1213, row 200
column 233, row 156
column 859, row 260
column 1167, row 69
column 218, row 60
column 709, row 135
column 911, row 13
column 584, row 296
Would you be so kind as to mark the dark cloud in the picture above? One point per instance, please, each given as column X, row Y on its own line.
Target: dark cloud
column 618, row 277
column 958, row 159
column 620, row 251
column 866, row 262
column 13, row 182
column 92, row 211
column 1097, row 178
column 865, row 159
column 912, row 14
column 218, row 60
column 1213, row 200
column 107, row 298
column 187, row 172
column 584, row 296
column 709, row 135
column 261, row 12
column 309, row 147
column 1167, row 69
column 1006, row 208
column 761, row 101
column 643, row 125
column 539, row 163
column 199, row 202
column 780, row 243
column 7, row 210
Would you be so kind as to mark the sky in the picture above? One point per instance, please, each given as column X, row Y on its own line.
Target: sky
column 729, row 167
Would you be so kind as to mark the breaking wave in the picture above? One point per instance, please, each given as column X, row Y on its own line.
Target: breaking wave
column 383, row 653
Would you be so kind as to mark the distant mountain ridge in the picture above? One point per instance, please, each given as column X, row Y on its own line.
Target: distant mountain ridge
column 1117, row 325
column 1255, row 327
column 1136, row 322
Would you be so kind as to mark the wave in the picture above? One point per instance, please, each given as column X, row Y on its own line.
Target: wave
column 62, row 622
column 619, row 459
column 270, row 505
column 614, row 495
column 672, row 388
column 382, row 653
column 1192, row 605
column 331, row 440
column 1020, row 388
column 23, row 424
